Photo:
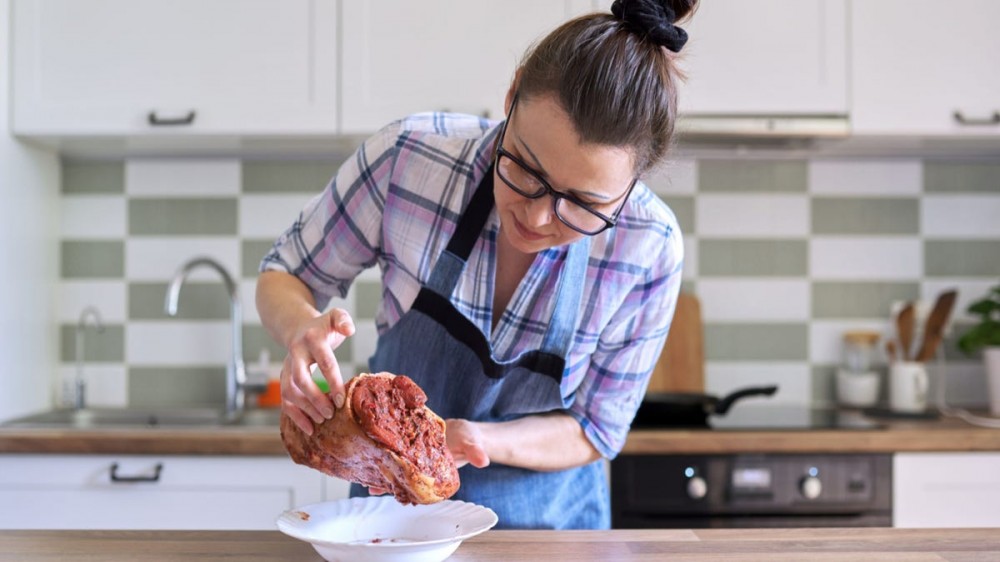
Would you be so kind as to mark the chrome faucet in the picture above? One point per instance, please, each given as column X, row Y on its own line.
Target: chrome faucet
column 80, row 396
column 236, row 375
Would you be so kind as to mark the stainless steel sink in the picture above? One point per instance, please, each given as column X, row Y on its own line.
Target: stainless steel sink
column 106, row 418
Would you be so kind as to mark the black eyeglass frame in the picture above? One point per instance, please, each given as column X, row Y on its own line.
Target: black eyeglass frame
column 609, row 221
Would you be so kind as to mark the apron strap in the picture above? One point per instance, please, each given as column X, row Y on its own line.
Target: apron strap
column 451, row 262
column 569, row 294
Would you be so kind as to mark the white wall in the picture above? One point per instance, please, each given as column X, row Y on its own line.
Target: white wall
column 29, row 189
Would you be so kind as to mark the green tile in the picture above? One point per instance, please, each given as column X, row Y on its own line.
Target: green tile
column 367, row 295
column 106, row 347
column 263, row 176
column 965, row 177
column 208, row 216
column 962, row 258
column 950, row 344
column 824, row 384
column 753, row 258
column 177, row 387
column 866, row 215
column 832, row 299
column 252, row 252
column 92, row 259
column 81, row 176
column 197, row 301
column 756, row 342
column 683, row 208
column 753, row 176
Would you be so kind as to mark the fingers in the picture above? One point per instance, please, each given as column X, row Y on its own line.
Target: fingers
column 302, row 394
column 340, row 327
column 477, row 456
column 377, row 491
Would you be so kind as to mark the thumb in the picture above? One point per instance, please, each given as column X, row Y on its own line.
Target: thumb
column 477, row 456
column 341, row 322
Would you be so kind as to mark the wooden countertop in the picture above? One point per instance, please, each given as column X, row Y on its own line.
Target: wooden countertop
column 730, row 545
column 897, row 436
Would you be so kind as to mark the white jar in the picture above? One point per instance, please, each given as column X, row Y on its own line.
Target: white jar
column 857, row 389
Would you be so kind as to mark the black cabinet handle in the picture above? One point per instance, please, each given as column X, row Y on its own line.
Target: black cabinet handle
column 159, row 121
column 155, row 477
column 991, row 120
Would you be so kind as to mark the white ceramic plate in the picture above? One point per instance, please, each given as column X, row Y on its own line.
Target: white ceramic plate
column 381, row 529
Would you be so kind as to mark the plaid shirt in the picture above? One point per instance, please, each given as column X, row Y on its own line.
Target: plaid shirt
column 395, row 204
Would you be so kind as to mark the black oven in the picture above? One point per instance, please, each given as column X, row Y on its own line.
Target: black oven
column 751, row 490
column 754, row 490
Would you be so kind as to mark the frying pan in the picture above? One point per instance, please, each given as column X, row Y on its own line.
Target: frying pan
column 689, row 409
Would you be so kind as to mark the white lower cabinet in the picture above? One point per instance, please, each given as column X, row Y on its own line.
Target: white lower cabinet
column 155, row 492
column 946, row 490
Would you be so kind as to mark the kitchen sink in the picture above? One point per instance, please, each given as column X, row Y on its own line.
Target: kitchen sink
column 106, row 418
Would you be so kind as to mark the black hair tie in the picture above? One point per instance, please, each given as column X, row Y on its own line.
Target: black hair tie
column 653, row 20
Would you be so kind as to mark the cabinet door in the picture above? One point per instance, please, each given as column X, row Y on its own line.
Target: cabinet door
column 946, row 490
column 100, row 67
column 915, row 63
column 79, row 492
column 402, row 57
column 766, row 57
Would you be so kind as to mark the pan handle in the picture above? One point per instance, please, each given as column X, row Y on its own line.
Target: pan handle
column 723, row 405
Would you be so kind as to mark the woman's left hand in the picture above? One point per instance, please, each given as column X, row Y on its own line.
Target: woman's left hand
column 466, row 443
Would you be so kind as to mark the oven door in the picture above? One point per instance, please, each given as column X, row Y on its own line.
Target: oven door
column 739, row 491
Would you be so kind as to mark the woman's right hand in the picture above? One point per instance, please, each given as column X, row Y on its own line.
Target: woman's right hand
column 312, row 344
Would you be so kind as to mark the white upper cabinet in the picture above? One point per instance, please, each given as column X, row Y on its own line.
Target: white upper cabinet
column 132, row 67
column 401, row 57
column 925, row 67
column 766, row 57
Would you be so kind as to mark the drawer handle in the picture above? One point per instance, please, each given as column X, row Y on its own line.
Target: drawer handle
column 156, row 121
column 155, row 477
column 991, row 120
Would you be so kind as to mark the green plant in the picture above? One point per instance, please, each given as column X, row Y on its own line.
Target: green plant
column 987, row 331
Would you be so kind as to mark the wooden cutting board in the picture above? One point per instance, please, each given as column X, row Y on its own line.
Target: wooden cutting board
column 681, row 366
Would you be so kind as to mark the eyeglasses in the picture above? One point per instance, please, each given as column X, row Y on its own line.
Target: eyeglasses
column 528, row 183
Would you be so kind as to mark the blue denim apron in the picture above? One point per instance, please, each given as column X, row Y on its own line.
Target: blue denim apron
column 451, row 359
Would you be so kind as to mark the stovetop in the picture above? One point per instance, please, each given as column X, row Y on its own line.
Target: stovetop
column 750, row 417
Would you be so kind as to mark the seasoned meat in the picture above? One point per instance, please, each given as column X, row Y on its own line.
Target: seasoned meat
column 384, row 437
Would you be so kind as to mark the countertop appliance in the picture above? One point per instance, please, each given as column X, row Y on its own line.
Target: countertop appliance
column 756, row 490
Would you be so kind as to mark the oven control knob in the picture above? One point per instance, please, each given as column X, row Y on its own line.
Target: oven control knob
column 811, row 487
column 697, row 487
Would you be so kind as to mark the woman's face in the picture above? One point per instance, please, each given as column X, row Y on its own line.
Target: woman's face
column 540, row 134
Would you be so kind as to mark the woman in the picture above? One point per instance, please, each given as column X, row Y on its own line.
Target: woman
column 529, row 277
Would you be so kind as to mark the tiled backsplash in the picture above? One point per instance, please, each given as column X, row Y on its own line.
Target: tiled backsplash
column 785, row 255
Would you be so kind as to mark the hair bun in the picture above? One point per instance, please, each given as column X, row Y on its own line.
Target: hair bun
column 654, row 20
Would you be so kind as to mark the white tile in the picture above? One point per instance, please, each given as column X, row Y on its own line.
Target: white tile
column 248, row 297
column 676, row 177
column 267, row 216
column 157, row 259
column 866, row 177
column 860, row 258
column 734, row 299
column 960, row 216
column 178, row 343
column 92, row 216
column 969, row 291
column 107, row 384
column 364, row 341
column 826, row 339
column 761, row 216
column 182, row 177
column 794, row 380
column 109, row 297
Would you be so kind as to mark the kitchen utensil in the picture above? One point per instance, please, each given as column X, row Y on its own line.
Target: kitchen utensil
column 936, row 322
column 905, row 321
column 382, row 529
column 690, row 409
column 681, row 366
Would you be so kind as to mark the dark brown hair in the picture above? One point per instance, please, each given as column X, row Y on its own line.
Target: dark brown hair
column 617, row 85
